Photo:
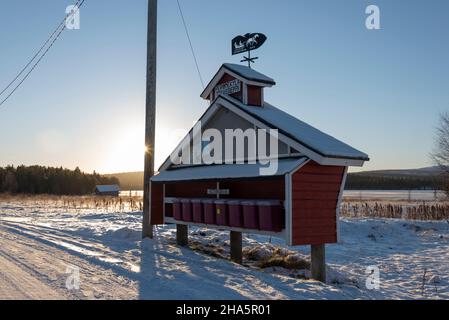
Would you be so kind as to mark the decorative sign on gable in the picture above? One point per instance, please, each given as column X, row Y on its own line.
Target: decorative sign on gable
column 228, row 88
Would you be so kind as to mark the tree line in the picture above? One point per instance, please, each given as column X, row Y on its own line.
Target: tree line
column 48, row 180
column 60, row 181
column 376, row 182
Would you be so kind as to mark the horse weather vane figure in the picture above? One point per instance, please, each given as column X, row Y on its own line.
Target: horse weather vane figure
column 247, row 43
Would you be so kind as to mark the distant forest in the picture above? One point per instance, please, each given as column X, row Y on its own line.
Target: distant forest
column 362, row 181
column 47, row 180
column 59, row 181
column 355, row 181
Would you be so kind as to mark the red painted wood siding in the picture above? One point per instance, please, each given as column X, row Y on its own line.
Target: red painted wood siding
column 157, row 204
column 189, row 189
column 256, row 189
column 315, row 191
column 255, row 96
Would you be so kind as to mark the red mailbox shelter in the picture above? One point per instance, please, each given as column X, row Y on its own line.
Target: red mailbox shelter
column 299, row 202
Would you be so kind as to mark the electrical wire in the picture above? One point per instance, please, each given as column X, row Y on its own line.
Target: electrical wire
column 37, row 53
column 190, row 43
column 77, row 5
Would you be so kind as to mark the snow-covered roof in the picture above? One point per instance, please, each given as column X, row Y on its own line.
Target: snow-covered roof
column 108, row 188
column 249, row 73
column 300, row 131
column 226, row 171
column 246, row 74
column 302, row 137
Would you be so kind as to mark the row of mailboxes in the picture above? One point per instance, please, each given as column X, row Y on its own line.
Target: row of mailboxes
column 267, row 215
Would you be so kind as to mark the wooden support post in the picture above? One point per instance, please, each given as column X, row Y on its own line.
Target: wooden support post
column 182, row 235
column 318, row 262
column 236, row 247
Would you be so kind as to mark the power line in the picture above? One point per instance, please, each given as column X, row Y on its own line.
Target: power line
column 77, row 5
column 39, row 51
column 190, row 43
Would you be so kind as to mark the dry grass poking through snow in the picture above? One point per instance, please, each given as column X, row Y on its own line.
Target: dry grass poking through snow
column 92, row 202
column 393, row 209
column 269, row 256
column 423, row 210
column 264, row 256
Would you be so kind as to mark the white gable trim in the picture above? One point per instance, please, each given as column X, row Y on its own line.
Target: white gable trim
column 340, row 199
column 220, row 102
column 292, row 143
column 220, row 75
column 204, row 119
column 245, row 93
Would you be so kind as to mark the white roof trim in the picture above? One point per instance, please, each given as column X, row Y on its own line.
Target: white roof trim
column 224, row 102
column 292, row 143
column 223, row 70
column 226, row 171
column 204, row 120
column 220, row 102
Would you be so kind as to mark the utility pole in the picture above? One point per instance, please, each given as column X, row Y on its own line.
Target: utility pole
column 150, row 118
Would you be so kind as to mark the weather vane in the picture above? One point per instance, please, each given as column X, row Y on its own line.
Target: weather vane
column 247, row 43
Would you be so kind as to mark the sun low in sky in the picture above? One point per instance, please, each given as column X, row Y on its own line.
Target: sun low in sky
column 127, row 153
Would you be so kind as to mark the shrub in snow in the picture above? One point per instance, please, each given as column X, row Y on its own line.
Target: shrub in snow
column 209, row 249
column 268, row 256
column 258, row 252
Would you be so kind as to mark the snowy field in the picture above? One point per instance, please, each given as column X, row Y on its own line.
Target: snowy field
column 40, row 242
column 415, row 195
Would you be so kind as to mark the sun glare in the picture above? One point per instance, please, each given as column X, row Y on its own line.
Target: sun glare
column 127, row 152
column 128, row 149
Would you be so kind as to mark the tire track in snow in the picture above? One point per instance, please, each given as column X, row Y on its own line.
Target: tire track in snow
column 29, row 259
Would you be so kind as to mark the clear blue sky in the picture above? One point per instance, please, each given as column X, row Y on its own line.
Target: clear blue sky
column 380, row 91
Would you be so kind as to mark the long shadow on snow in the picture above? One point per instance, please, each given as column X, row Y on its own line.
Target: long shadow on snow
column 169, row 272
column 107, row 240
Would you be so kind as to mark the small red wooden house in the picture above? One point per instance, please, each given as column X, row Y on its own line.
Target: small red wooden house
column 307, row 185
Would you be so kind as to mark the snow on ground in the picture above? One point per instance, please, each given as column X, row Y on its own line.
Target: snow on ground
column 412, row 195
column 38, row 242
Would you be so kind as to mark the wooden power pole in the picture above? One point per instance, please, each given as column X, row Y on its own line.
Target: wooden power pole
column 150, row 118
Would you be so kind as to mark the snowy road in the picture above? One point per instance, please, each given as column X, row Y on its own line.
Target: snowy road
column 36, row 258
column 32, row 269
column 16, row 283
column 39, row 243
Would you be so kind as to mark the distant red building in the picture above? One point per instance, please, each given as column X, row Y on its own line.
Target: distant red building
column 107, row 190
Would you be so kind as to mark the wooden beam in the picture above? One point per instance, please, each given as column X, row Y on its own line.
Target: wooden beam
column 182, row 235
column 318, row 262
column 236, row 247
column 150, row 119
